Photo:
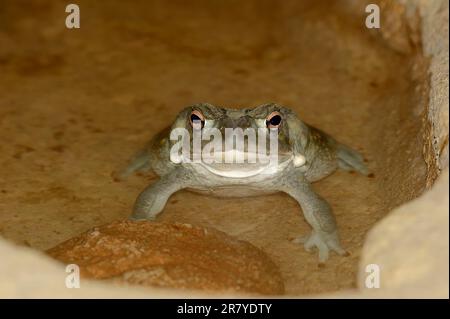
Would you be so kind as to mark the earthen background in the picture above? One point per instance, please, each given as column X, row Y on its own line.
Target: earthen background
column 76, row 104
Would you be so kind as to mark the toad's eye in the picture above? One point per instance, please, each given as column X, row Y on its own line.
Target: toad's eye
column 273, row 120
column 197, row 119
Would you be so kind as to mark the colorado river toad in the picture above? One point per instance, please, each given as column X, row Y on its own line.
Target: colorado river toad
column 304, row 155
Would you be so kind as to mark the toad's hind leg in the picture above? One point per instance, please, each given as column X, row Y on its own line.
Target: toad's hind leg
column 140, row 162
column 350, row 160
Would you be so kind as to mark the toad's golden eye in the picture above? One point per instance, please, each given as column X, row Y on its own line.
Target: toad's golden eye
column 197, row 119
column 273, row 120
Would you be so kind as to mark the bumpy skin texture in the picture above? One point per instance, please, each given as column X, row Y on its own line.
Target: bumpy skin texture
column 321, row 155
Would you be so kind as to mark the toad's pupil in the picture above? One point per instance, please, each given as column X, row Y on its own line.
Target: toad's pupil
column 275, row 120
column 196, row 119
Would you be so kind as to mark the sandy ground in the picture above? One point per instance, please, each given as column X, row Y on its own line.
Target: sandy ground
column 76, row 104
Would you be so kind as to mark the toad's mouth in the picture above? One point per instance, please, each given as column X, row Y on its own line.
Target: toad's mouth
column 235, row 164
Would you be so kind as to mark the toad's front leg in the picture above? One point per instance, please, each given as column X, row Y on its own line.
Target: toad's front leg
column 153, row 199
column 317, row 213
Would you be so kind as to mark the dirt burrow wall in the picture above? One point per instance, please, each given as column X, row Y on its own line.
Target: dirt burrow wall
column 425, row 26
column 411, row 245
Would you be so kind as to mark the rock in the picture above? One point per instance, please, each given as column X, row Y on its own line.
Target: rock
column 170, row 255
column 411, row 248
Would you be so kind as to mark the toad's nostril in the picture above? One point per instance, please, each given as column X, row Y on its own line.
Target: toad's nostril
column 243, row 122
column 233, row 123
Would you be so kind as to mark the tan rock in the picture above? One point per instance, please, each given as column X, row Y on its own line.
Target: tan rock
column 411, row 247
column 171, row 255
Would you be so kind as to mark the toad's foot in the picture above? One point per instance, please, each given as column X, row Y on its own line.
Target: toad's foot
column 324, row 243
column 148, row 205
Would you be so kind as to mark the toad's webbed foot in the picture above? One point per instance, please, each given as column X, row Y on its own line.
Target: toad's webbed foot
column 317, row 213
column 324, row 243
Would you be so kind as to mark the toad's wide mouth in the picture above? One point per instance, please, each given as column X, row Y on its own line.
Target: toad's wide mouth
column 244, row 164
